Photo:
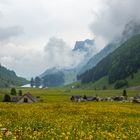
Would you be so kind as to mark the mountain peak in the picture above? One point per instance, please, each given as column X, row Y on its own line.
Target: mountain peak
column 83, row 45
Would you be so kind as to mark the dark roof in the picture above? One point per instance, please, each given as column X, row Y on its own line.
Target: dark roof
column 76, row 96
column 15, row 98
column 90, row 98
column 138, row 96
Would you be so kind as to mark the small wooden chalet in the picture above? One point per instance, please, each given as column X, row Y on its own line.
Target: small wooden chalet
column 26, row 98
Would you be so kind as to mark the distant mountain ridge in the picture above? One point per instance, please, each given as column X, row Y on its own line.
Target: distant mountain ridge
column 9, row 78
column 98, row 57
column 85, row 47
column 50, row 71
column 66, row 76
column 131, row 29
column 92, row 58
column 118, row 65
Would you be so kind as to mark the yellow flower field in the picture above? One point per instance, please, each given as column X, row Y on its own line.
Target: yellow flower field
column 70, row 121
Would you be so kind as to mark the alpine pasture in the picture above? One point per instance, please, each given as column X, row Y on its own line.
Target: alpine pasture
column 55, row 117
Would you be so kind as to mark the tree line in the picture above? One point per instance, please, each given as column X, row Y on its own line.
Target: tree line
column 36, row 82
column 49, row 80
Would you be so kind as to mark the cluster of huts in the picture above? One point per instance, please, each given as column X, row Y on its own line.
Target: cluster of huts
column 79, row 98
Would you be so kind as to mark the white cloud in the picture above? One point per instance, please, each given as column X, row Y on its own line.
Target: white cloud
column 9, row 32
column 26, row 61
column 110, row 20
column 59, row 54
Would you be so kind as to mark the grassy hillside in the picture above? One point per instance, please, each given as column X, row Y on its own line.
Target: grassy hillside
column 98, row 57
column 122, row 63
column 104, row 84
column 9, row 78
column 99, row 84
column 135, row 81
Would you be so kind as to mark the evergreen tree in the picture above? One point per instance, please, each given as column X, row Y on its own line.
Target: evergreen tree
column 20, row 92
column 125, row 94
column 13, row 91
column 37, row 82
column 85, row 97
column 104, row 87
column 32, row 82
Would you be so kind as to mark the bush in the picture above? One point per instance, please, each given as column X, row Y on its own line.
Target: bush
column 85, row 97
column 104, row 88
column 120, row 84
column 13, row 91
column 37, row 96
column 124, row 93
column 20, row 92
column 7, row 98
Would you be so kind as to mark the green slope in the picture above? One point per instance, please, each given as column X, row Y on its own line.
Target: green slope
column 104, row 84
column 100, row 84
column 135, row 81
column 122, row 63
column 9, row 78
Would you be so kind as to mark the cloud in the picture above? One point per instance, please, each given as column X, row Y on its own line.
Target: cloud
column 41, row 20
column 25, row 61
column 67, row 19
column 10, row 32
column 109, row 22
column 1, row 14
column 28, row 62
column 59, row 54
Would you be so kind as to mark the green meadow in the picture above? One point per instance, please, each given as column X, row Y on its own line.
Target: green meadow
column 55, row 117
column 64, row 94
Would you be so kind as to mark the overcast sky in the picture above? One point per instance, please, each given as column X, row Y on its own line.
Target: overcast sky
column 29, row 28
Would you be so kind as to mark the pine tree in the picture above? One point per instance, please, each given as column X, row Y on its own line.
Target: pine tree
column 13, row 91
column 37, row 82
column 20, row 92
column 32, row 83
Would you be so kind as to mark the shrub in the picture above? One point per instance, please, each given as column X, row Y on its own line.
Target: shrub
column 20, row 92
column 7, row 98
column 13, row 91
column 124, row 93
column 104, row 88
column 120, row 84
